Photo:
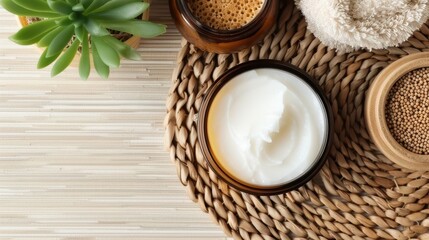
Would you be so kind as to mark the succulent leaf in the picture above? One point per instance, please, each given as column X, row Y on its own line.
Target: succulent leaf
column 94, row 28
column 107, row 54
column 45, row 61
column 113, row 4
column 74, row 16
column 84, row 64
column 78, row 7
column 126, row 12
column 123, row 49
column 86, row 3
column 34, row 5
column 102, row 69
column 14, row 8
column 33, row 33
column 80, row 32
column 60, row 41
column 72, row 2
column 60, row 6
column 67, row 24
column 143, row 29
column 65, row 21
column 64, row 61
column 47, row 39
column 95, row 5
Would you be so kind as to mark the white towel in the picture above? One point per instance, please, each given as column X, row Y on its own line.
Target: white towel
column 349, row 25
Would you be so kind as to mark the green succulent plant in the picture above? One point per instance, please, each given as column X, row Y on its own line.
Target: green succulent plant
column 69, row 26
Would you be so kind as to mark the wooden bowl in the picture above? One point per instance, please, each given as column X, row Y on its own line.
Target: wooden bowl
column 375, row 112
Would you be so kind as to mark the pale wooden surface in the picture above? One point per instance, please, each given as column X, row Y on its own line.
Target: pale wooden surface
column 85, row 159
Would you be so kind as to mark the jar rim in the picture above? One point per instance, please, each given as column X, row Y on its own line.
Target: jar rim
column 238, row 33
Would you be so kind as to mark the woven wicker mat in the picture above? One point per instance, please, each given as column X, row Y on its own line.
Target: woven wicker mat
column 359, row 194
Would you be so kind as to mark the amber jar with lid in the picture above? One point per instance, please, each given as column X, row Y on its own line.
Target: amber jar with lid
column 223, row 41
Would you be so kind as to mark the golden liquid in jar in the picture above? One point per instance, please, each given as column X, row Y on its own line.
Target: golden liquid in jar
column 225, row 14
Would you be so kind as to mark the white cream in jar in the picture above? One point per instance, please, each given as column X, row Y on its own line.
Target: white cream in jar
column 266, row 127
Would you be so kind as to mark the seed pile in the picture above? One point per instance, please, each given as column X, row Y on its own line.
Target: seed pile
column 225, row 14
column 407, row 111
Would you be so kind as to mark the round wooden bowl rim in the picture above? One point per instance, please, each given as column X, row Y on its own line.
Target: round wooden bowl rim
column 375, row 112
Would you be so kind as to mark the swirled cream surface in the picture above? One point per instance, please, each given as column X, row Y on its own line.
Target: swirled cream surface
column 266, row 127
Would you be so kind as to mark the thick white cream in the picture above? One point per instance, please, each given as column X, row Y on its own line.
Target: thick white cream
column 266, row 127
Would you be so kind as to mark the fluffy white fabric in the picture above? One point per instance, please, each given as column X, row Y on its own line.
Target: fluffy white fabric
column 348, row 25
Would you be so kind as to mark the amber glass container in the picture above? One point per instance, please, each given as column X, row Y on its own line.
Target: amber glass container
column 223, row 41
column 214, row 163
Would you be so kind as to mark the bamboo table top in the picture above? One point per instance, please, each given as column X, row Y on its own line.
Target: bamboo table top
column 85, row 159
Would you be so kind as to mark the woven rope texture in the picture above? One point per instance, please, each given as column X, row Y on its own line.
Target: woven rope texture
column 359, row 194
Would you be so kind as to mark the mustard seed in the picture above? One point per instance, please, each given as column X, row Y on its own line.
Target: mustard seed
column 407, row 111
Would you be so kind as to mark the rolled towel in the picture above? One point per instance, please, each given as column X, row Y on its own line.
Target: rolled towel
column 348, row 25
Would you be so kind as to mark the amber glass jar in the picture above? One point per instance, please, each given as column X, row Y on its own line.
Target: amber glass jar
column 223, row 41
